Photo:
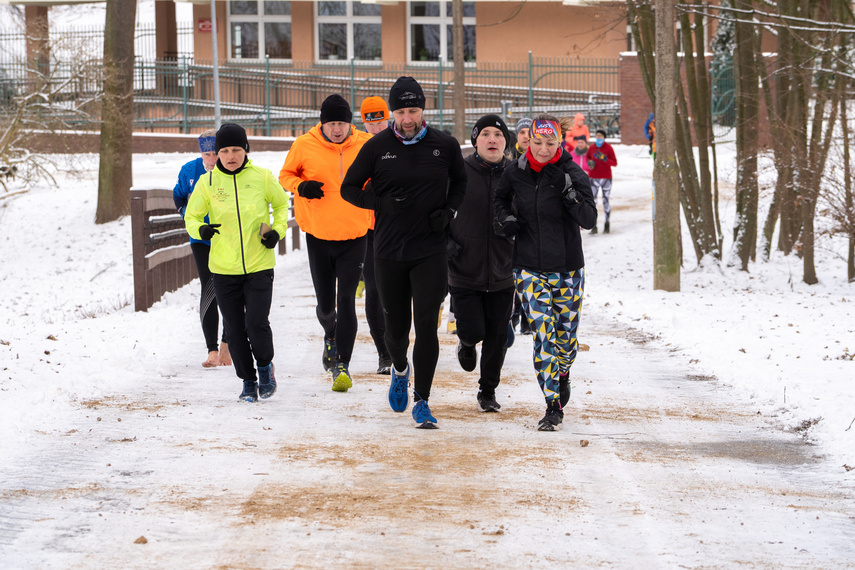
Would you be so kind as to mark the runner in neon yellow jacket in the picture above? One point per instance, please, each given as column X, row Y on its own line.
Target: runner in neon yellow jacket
column 237, row 197
column 240, row 201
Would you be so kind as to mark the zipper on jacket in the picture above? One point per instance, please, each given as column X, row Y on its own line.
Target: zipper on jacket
column 489, row 226
column 240, row 226
column 537, row 217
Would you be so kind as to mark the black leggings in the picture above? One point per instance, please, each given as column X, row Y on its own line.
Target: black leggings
column 331, row 261
column 245, row 303
column 484, row 316
column 210, row 315
column 373, row 308
column 423, row 284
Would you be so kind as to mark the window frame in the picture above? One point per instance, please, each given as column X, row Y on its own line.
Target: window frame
column 260, row 19
column 444, row 22
column 349, row 19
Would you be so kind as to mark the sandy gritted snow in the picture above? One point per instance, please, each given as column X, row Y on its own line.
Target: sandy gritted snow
column 707, row 428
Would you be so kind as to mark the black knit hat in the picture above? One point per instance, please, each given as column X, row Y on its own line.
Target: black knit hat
column 406, row 92
column 336, row 108
column 231, row 134
column 491, row 121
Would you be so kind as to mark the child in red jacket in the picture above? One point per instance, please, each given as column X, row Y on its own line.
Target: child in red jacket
column 601, row 159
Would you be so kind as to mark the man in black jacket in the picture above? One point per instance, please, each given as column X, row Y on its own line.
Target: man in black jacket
column 480, row 265
column 417, row 184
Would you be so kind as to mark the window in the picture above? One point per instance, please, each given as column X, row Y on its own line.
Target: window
column 257, row 24
column 426, row 39
column 347, row 30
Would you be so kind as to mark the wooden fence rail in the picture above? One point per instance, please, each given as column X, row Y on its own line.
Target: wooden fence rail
column 162, row 257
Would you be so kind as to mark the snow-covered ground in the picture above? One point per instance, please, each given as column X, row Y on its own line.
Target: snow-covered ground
column 736, row 395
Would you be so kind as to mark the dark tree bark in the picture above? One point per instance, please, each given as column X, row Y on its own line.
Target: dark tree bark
column 115, row 173
column 666, row 223
column 747, row 123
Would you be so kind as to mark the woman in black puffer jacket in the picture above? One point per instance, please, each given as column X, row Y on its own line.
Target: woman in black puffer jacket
column 543, row 199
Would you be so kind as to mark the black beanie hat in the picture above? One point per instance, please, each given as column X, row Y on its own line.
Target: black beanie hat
column 231, row 134
column 336, row 108
column 406, row 92
column 491, row 121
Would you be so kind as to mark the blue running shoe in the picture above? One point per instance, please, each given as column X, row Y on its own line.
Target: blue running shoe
column 422, row 415
column 399, row 396
column 266, row 381
column 509, row 341
column 250, row 391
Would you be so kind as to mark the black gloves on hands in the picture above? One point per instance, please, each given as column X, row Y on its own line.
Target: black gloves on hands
column 508, row 227
column 207, row 231
column 394, row 202
column 439, row 219
column 569, row 194
column 270, row 239
column 310, row 189
column 452, row 248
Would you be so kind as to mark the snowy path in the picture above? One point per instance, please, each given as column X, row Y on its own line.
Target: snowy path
column 676, row 473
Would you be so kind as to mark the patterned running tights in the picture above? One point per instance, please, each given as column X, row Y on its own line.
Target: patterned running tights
column 552, row 302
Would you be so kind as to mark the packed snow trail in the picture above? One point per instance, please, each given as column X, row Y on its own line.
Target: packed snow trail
column 654, row 467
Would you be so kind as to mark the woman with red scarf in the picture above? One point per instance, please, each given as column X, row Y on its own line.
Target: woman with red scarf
column 543, row 199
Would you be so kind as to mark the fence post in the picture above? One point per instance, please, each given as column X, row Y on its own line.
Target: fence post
column 352, row 82
column 267, row 94
column 184, row 94
column 138, row 251
column 441, row 97
column 530, row 85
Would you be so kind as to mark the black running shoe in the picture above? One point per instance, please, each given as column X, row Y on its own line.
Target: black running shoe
column 328, row 358
column 553, row 418
column 384, row 365
column 467, row 356
column 487, row 401
column 564, row 388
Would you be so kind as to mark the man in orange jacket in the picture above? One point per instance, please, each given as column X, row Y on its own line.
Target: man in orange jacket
column 335, row 229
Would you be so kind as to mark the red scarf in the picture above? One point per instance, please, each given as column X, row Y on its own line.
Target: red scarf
column 535, row 165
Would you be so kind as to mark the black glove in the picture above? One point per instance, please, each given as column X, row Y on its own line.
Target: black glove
column 394, row 202
column 452, row 248
column 207, row 231
column 439, row 219
column 270, row 239
column 310, row 189
column 569, row 194
column 509, row 227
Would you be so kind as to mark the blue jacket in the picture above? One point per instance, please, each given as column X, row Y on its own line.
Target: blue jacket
column 187, row 177
column 647, row 126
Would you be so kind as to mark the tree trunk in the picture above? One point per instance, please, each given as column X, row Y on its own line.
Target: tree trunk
column 847, row 187
column 115, row 173
column 666, row 224
column 747, row 122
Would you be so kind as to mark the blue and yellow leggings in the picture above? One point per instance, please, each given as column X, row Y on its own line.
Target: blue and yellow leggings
column 552, row 302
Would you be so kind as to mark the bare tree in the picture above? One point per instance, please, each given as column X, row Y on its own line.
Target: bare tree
column 693, row 118
column 56, row 94
column 666, row 223
column 115, row 174
column 747, row 123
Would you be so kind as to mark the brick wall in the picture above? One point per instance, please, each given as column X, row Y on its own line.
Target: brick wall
column 636, row 106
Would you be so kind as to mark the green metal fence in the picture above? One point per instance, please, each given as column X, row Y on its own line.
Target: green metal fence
column 277, row 99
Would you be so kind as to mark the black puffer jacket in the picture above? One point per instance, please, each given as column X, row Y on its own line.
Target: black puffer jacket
column 478, row 258
column 548, row 239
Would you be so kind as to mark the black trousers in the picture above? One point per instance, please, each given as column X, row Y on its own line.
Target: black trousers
column 210, row 315
column 483, row 316
column 421, row 284
column 373, row 307
column 245, row 303
column 334, row 262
